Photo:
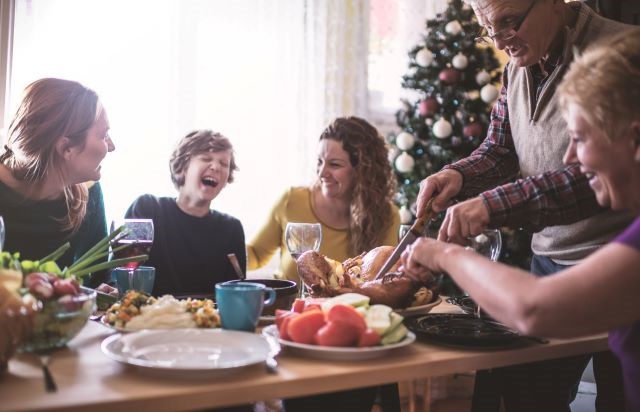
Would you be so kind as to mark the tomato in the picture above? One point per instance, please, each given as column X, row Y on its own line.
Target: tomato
column 280, row 315
column 369, row 338
column 303, row 328
column 347, row 314
column 284, row 326
column 298, row 305
column 337, row 333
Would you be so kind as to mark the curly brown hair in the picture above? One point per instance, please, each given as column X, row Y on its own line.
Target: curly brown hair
column 371, row 200
column 193, row 144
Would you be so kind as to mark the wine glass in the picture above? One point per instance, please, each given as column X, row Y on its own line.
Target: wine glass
column 137, row 237
column 301, row 237
column 1, row 233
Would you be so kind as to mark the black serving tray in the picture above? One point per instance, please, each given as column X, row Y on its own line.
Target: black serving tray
column 463, row 330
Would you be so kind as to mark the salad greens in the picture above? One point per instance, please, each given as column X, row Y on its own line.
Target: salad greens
column 83, row 266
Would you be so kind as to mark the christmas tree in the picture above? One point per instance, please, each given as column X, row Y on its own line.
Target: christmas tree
column 454, row 80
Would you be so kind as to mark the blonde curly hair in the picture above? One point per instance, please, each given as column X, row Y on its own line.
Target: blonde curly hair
column 605, row 81
column 371, row 200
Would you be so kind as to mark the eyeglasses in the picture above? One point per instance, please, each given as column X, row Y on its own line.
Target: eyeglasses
column 507, row 34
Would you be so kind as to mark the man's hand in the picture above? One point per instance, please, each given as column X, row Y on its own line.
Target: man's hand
column 464, row 220
column 444, row 185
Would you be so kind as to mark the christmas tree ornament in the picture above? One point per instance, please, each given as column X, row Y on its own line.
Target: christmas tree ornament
column 405, row 141
column 456, row 141
column 442, row 129
column 428, row 107
column 472, row 94
column 428, row 121
column 489, row 93
column 449, row 76
column 393, row 153
column 472, row 129
column 453, row 28
column 424, row 57
column 483, row 77
column 405, row 215
column 460, row 61
column 404, row 163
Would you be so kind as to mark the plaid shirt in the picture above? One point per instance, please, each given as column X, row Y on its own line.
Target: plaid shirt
column 555, row 197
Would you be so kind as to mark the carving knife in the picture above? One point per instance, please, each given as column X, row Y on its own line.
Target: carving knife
column 415, row 231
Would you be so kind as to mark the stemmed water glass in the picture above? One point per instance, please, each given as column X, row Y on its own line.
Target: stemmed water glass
column 301, row 237
column 137, row 239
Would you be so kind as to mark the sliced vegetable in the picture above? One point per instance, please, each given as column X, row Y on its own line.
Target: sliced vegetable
column 351, row 299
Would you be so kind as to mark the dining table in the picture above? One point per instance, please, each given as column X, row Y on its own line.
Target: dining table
column 89, row 380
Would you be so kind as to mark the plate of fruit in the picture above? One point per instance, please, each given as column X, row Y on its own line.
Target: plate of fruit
column 345, row 327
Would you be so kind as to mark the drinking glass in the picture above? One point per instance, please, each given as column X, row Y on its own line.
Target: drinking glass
column 138, row 237
column 1, row 233
column 301, row 237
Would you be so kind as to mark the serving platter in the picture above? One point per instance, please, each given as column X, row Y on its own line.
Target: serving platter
column 336, row 353
column 190, row 351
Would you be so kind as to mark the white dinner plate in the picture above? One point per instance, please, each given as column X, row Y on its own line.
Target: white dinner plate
column 419, row 310
column 336, row 353
column 213, row 351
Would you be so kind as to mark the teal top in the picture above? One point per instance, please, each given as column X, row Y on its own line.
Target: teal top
column 33, row 227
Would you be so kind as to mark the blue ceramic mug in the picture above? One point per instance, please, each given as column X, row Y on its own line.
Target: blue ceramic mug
column 240, row 304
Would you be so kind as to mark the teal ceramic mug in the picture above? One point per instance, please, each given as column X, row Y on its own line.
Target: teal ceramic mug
column 240, row 304
column 141, row 278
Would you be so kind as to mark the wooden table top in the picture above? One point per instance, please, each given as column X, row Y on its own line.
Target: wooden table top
column 87, row 379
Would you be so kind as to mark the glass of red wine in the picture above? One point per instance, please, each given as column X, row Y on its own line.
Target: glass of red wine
column 137, row 237
column 300, row 237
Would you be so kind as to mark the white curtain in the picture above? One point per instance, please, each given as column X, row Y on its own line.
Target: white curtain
column 269, row 75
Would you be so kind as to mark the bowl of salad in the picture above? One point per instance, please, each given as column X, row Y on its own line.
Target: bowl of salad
column 62, row 313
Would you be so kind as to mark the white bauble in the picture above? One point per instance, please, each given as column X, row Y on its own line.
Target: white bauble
column 405, row 215
column 472, row 94
column 393, row 153
column 424, row 57
column 489, row 93
column 460, row 61
column 405, row 163
column 405, row 141
column 453, row 27
column 442, row 129
column 483, row 77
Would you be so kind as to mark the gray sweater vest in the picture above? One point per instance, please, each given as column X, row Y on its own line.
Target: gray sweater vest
column 541, row 139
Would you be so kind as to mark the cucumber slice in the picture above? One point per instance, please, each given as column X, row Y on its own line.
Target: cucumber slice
column 351, row 299
column 378, row 318
column 395, row 335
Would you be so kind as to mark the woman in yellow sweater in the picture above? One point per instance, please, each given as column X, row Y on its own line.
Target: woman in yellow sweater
column 351, row 198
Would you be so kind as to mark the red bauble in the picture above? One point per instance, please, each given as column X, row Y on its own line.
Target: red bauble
column 472, row 130
column 428, row 107
column 449, row 76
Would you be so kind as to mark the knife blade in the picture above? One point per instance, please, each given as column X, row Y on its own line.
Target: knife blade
column 415, row 231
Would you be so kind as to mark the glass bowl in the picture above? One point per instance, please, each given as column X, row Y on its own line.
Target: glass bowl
column 60, row 320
